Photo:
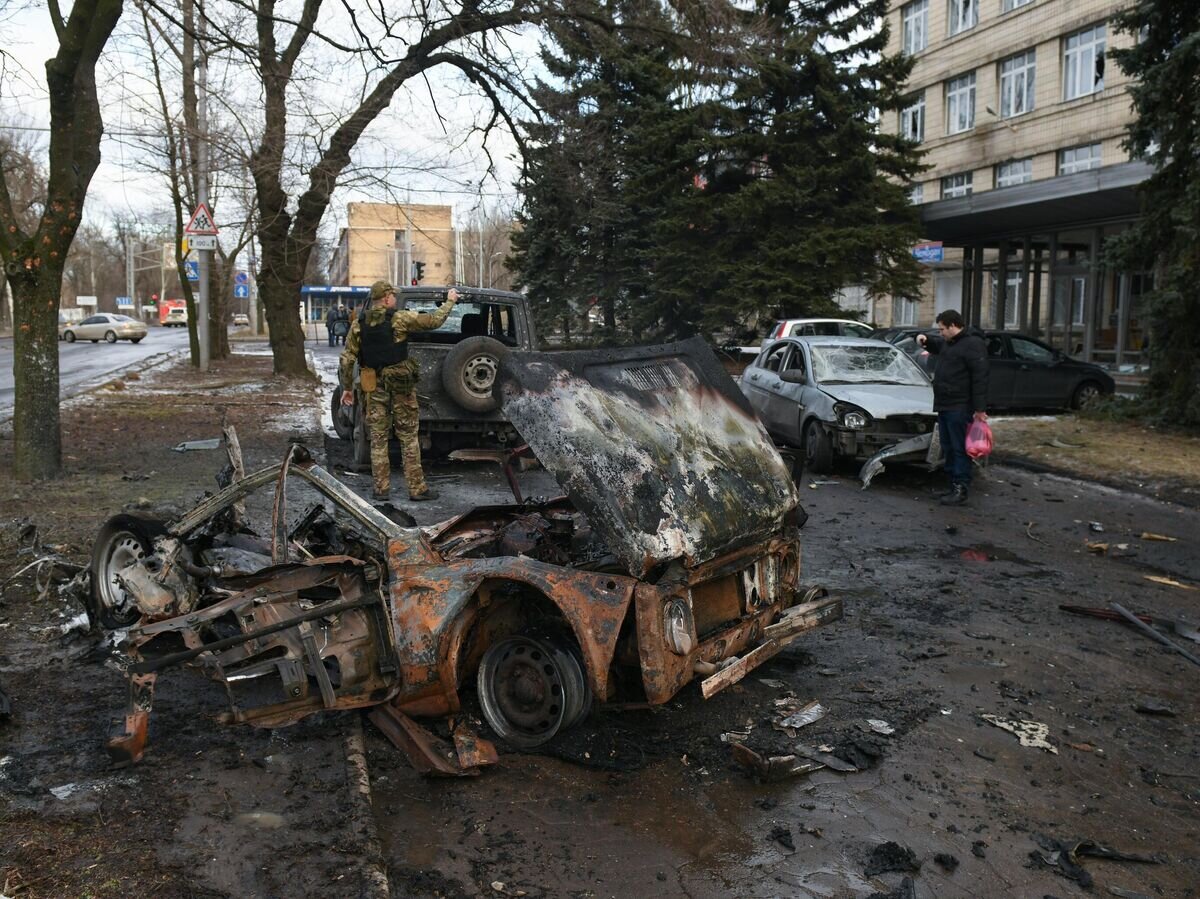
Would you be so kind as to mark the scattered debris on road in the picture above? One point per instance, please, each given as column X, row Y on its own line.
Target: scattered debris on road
column 1030, row 733
column 891, row 856
column 1064, row 856
column 1152, row 633
column 1160, row 538
column 1168, row 582
column 191, row 446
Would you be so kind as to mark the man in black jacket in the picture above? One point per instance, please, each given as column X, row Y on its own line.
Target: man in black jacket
column 960, row 389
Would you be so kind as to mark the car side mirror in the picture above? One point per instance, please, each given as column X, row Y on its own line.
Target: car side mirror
column 793, row 376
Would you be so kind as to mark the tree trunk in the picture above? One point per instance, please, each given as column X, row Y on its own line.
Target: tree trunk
column 37, row 443
column 279, row 282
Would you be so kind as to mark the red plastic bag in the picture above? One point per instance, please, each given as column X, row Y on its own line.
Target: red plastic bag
column 979, row 440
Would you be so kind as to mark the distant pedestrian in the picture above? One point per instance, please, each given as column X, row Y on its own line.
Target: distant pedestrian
column 960, row 390
column 388, row 377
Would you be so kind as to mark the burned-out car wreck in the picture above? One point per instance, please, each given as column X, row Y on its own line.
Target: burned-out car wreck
column 672, row 556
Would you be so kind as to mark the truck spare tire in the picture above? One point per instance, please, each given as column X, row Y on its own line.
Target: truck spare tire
column 469, row 372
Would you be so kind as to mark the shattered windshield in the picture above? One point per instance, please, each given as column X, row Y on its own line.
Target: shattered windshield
column 859, row 364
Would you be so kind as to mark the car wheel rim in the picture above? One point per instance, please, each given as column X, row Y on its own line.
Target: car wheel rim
column 1087, row 394
column 479, row 374
column 523, row 691
column 124, row 549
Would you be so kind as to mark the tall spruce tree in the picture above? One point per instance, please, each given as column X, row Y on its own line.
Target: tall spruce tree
column 808, row 193
column 582, row 229
column 1165, row 66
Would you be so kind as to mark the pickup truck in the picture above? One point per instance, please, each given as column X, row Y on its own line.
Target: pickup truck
column 458, row 363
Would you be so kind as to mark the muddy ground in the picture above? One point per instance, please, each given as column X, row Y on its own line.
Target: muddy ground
column 950, row 615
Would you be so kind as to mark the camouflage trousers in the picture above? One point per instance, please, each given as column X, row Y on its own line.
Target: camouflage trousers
column 389, row 408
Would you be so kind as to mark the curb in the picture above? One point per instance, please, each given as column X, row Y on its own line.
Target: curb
column 1181, row 497
column 362, row 814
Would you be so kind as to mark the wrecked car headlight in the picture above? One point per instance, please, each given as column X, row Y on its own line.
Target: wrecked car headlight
column 851, row 416
column 679, row 627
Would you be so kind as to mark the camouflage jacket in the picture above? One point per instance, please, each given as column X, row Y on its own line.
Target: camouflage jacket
column 404, row 322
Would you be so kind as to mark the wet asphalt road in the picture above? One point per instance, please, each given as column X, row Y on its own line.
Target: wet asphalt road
column 84, row 365
column 951, row 614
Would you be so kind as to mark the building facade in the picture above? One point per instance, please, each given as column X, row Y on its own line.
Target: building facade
column 1021, row 116
column 388, row 241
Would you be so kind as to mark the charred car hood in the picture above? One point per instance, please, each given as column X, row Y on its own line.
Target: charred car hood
column 655, row 444
column 884, row 400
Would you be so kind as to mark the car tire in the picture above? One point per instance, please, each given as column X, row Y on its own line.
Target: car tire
column 69, row 336
column 530, row 689
column 110, row 336
column 469, row 373
column 343, row 416
column 818, row 448
column 135, row 340
column 97, row 340
column 1085, row 393
column 360, row 439
column 122, row 540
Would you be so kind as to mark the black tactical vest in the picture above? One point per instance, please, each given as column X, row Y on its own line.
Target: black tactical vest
column 378, row 349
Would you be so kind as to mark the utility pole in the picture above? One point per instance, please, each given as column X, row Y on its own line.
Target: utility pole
column 408, row 260
column 253, row 316
column 202, row 188
column 128, row 265
column 481, row 248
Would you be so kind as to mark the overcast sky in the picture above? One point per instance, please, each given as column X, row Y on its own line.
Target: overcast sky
column 408, row 135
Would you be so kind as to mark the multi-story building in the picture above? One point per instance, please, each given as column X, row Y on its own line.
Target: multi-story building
column 387, row 241
column 1021, row 116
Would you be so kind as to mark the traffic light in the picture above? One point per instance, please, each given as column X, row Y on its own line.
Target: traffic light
column 418, row 272
column 153, row 298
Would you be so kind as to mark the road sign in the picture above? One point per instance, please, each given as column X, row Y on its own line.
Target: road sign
column 124, row 302
column 241, row 278
column 85, row 301
column 241, row 291
column 202, row 222
column 928, row 252
column 203, row 241
column 192, row 268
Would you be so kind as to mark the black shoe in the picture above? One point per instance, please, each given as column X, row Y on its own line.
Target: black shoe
column 945, row 491
column 956, row 497
column 429, row 494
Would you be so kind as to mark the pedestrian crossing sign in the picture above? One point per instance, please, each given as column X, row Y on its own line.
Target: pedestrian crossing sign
column 202, row 221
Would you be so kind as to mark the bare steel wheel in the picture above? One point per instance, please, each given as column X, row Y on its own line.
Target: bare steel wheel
column 529, row 689
column 122, row 541
column 479, row 374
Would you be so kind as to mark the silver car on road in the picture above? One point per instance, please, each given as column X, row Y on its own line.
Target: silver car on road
column 840, row 396
column 107, row 326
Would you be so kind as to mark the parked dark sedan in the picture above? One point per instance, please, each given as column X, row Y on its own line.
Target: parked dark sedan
column 1024, row 372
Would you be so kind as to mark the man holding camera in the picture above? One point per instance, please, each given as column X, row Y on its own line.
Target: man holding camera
column 960, row 390
column 378, row 341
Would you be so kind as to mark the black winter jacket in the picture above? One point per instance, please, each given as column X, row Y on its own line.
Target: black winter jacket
column 961, row 380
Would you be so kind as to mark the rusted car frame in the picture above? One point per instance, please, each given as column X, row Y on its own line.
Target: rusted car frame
column 548, row 605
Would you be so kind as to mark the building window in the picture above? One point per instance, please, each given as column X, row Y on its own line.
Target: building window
column 1012, row 298
column 1083, row 63
column 1010, row 5
column 912, row 118
column 1016, row 84
column 916, row 194
column 1078, row 159
column 964, row 14
column 914, row 18
column 960, row 104
column 956, row 185
column 1015, row 171
column 1068, row 300
column 904, row 312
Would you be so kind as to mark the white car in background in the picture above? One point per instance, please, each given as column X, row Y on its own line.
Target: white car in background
column 107, row 326
column 816, row 327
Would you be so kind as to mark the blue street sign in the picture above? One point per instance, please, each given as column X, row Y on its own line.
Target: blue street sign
column 928, row 252
column 241, row 291
column 241, row 278
column 124, row 302
column 192, row 267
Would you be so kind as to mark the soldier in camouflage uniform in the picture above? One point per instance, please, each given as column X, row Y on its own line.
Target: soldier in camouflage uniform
column 378, row 341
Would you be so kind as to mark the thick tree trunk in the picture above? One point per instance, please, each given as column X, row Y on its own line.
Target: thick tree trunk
column 37, row 443
column 279, row 282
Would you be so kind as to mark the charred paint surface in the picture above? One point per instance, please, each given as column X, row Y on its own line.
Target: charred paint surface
column 655, row 445
column 427, row 602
